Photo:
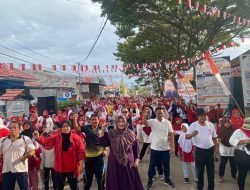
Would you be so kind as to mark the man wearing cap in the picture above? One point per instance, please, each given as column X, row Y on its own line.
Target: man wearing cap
column 203, row 135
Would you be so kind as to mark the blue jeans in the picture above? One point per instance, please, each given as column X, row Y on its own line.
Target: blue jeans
column 9, row 180
column 157, row 157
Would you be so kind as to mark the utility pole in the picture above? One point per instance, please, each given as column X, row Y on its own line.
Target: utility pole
column 79, row 76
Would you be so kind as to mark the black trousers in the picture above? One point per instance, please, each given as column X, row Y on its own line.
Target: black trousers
column 156, row 158
column 46, row 177
column 176, row 138
column 243, row 171
column 204, row 158
column 94, row 166
column 223, row 163
column 60, row 180
column 143, row 150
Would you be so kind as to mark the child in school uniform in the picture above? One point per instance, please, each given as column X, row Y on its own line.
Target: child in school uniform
column 186, row 155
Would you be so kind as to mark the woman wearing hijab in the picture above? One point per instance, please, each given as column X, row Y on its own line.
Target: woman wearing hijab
column 69, row 155
column 236, row 119
column 177, row 123
column 122, row 171
column 241, row 140
column 186, row 152
column 226, row 149
column 47, row 121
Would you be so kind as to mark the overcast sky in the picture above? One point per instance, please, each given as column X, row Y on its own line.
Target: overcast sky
column 62, row 31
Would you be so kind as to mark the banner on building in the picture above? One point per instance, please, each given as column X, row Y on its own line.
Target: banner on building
column 245, row 74
column 209, row 90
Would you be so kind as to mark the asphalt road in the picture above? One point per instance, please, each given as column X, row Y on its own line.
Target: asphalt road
column 177, row 177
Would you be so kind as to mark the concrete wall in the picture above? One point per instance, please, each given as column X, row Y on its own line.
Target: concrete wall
column 17, row 107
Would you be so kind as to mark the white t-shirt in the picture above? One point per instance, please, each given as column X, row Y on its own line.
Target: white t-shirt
column 12, row 151
column 159, row 134
column 205, row 136
column 69, row 112
column 226, row 151
column 47, row 157
column 236, row 137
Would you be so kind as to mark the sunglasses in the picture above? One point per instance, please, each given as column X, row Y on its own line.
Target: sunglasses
column 125, row 112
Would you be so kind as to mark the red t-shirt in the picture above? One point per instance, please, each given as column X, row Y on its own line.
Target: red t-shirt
column 67, row 160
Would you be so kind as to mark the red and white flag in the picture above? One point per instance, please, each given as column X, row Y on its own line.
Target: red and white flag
column 197, row 5
column 33, row 67
column 39, row 67
column 54, row 67
column 74, row 68
column 11, row 66
column 218, row 13
column 64, row 67
column 203, row 9
column 217, row 74
column 188, row 4
column 23, row 67
column 82, row 68
column 179, row 74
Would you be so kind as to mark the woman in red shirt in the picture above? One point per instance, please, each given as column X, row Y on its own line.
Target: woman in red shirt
column 191, row 113
column 69, row 155
column 236, row 119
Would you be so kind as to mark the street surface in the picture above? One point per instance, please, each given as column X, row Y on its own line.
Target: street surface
column 177, row 177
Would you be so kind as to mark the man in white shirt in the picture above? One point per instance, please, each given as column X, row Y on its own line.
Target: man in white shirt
column 15, row 150
column 162, row 142
column 204, row 137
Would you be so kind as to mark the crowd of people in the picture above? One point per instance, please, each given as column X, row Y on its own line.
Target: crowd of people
column 101, row 138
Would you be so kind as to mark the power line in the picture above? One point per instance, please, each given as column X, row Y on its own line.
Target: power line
column 24, row 47
column 100, row 33
column 20, row 53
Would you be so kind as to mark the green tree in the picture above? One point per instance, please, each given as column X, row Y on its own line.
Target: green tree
column 123, row 88
column 161, row 31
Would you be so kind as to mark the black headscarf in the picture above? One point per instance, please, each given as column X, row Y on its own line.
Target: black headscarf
column 65, row 141
column 28, row 132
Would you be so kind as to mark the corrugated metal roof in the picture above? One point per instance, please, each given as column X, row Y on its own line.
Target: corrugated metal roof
column 6, row 72
column 236, row 61
column 11, row 94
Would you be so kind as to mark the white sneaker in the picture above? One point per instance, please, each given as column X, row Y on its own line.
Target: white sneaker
column 162, row 177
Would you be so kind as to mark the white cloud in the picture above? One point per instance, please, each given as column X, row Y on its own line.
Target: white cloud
column 59, row 29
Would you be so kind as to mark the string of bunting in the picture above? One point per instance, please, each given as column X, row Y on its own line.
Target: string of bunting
column 98, row 69
column 214, row 11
